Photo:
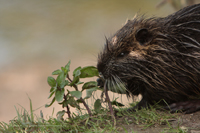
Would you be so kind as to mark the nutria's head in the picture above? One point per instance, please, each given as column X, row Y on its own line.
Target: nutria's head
column 151, row 56
column 124, row 54
column 128, row 44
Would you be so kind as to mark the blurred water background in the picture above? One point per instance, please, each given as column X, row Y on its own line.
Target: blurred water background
column 38, row 37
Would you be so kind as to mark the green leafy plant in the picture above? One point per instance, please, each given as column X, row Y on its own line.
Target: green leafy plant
column 68, row 98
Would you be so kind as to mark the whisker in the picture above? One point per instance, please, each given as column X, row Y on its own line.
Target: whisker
column 188, row 11
column 192, row 29
column 114, row 89
column 120, row 85
column 181, row 24
column 193, row 40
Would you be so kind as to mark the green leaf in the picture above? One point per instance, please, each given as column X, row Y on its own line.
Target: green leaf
column 79, row 83
column 64, row 103
column 51, row 81
column 72, row 102
column 77, row 94
column 66, row 82
column 60, row 115
column 51, row 94
column 97, row 105
column 56, row 72
column 61, row 80
column 89, row 92
column 77, row 72
column 89, row 71
column 67, row 66
column 63, row 69
column 53, row 89
column 48, row 105
column 117, row 103
column 59, row 95
column 89, row 85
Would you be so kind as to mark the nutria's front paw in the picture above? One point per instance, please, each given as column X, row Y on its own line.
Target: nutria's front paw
column 187, row 106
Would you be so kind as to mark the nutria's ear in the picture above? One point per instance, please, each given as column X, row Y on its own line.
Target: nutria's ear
column 143, row 36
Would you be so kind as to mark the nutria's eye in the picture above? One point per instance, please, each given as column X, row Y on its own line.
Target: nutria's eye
column 122, row 54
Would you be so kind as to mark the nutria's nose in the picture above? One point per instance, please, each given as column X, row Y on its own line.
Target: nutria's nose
column 100, row 83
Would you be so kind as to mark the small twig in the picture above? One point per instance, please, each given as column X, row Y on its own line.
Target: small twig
column 86, row 106
column 83, row 101
column 108, row 100
column 68, row 111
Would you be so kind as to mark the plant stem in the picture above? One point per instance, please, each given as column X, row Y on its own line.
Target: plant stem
column 68, row 111
column 83, row 101
column 75, row 86
column 108, row 100
column 86, row 106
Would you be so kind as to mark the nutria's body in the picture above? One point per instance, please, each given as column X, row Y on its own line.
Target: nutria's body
column 158, row 58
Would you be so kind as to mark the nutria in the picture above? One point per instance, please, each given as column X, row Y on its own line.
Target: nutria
column 158, row 58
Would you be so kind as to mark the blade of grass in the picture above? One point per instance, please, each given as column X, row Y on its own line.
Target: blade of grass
column 31, row 110
column 53, row 112
column 25, row 117
column 3, row 125
column 18, row 115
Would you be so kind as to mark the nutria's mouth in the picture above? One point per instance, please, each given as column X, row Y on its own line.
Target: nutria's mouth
column 113, row 84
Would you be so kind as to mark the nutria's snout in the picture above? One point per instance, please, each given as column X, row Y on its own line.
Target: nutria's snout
column 158, row 58
column 100, row 83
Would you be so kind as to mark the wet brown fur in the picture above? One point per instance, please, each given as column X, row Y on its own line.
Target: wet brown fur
column 158, row 58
